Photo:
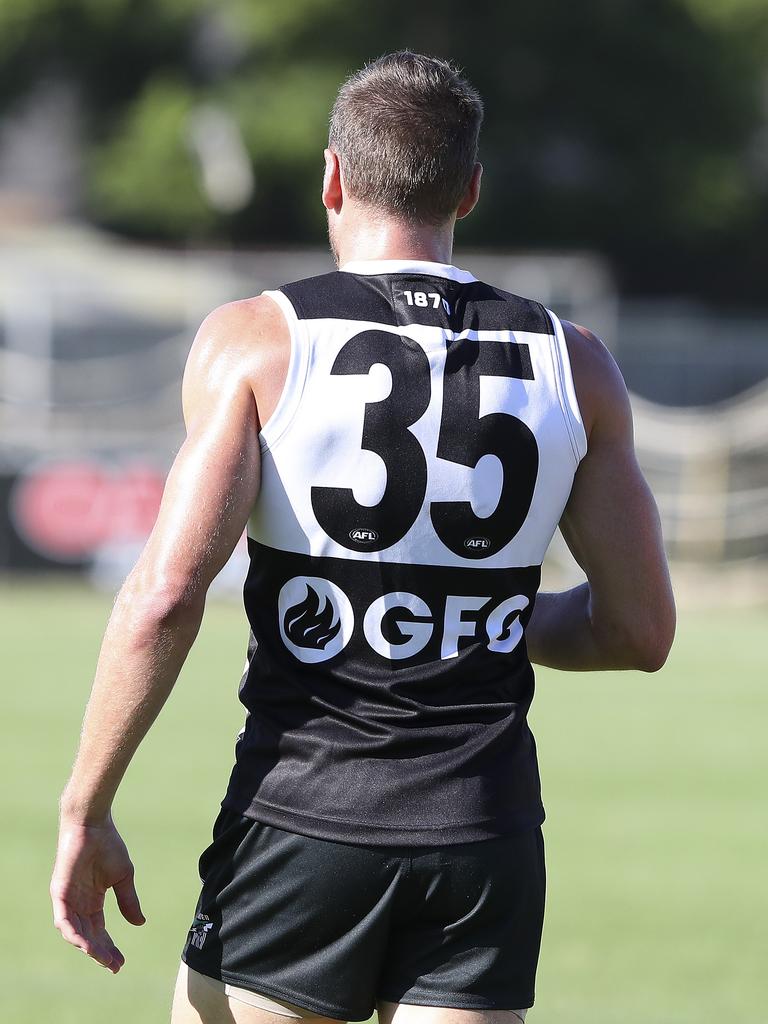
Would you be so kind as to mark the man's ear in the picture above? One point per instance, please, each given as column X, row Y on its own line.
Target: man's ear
column 471, row 196
column 332, row 194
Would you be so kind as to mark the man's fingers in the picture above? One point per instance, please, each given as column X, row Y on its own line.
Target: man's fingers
column 67, row 922
column 128, row 901
column 69, row 932
column 74, row 934
column 109, row 955
column 78, row 932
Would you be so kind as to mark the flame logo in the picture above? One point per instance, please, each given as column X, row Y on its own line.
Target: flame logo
column 309, row 624
column 315, row 618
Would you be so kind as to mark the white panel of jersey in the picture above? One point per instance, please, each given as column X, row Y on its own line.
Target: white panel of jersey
column 314, row 437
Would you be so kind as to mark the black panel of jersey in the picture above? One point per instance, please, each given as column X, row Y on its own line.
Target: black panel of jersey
column 381, row 298
column 416, row 468
column 360, row 747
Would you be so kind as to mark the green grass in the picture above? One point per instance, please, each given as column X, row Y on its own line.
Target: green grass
column 657, row 836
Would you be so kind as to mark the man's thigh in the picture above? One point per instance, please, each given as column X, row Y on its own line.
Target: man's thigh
column 198, row 1000
column 405, row 1013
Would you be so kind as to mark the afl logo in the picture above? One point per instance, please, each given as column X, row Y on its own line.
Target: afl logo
column 361, row 535
column 477, row 543
column 315, row 617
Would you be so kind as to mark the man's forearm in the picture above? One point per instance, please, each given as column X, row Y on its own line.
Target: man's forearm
column 567, row 632
column 146, row 642
column 559, row 634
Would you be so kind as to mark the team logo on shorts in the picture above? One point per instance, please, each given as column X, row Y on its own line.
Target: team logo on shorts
column 198, row 933
column 316, row 618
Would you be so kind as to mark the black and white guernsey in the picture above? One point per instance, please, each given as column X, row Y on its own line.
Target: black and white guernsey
column 413, row 475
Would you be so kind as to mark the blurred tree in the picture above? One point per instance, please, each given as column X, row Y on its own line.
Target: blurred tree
column 637, row 127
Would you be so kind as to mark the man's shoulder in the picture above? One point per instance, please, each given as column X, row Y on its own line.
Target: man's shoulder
column 589, row 355
column 237, row 337
column 600, row 387
column 241, row 320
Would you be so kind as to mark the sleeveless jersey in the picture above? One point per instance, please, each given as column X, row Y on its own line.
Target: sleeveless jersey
column 413, row 474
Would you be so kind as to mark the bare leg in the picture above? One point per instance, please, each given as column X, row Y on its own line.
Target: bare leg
column 197, row 1001
column 406, row 1013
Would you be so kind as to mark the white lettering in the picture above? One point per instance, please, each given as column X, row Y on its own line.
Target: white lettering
column 455, row 626
column 422, row 299
column 504, row 636
column 418, row 632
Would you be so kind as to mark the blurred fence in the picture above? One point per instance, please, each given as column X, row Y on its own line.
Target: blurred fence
column 710, row 471
column 93, row 337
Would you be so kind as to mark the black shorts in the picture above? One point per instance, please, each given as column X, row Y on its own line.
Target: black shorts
column 333, row 927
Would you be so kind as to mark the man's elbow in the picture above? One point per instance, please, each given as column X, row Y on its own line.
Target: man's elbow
column 650, row 645
column 642, row 643
column 653, row 656
column 157, row 604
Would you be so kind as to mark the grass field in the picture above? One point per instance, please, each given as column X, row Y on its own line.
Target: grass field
column 657, row 835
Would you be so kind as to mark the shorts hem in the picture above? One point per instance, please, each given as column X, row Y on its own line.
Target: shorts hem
column 288, row 995
column 460, row 1001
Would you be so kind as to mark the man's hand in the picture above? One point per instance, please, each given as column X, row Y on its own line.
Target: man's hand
column 90, row 860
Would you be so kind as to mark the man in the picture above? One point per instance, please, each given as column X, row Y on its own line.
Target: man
column 402, row 441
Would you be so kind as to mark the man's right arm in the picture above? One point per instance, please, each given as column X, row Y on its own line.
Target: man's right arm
column 624, row 615
column 231, row 383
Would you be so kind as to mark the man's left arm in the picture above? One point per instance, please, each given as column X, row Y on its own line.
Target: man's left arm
column 208, row 497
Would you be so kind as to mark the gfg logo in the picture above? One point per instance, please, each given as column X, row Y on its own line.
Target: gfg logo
column 317, row 622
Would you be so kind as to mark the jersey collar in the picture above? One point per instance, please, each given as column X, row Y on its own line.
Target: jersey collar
column 408, row 267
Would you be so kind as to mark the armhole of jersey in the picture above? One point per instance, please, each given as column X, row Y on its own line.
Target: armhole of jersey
column 566, row 390
column 288, row 403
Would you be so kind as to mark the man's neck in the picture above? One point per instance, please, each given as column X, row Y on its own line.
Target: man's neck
column 370, row 238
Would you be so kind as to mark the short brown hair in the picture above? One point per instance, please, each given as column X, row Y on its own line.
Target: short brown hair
column 405, row 128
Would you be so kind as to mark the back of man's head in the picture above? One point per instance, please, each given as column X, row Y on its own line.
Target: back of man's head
column 405, row 129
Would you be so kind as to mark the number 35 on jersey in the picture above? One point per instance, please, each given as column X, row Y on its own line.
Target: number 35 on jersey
column 465, row 434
